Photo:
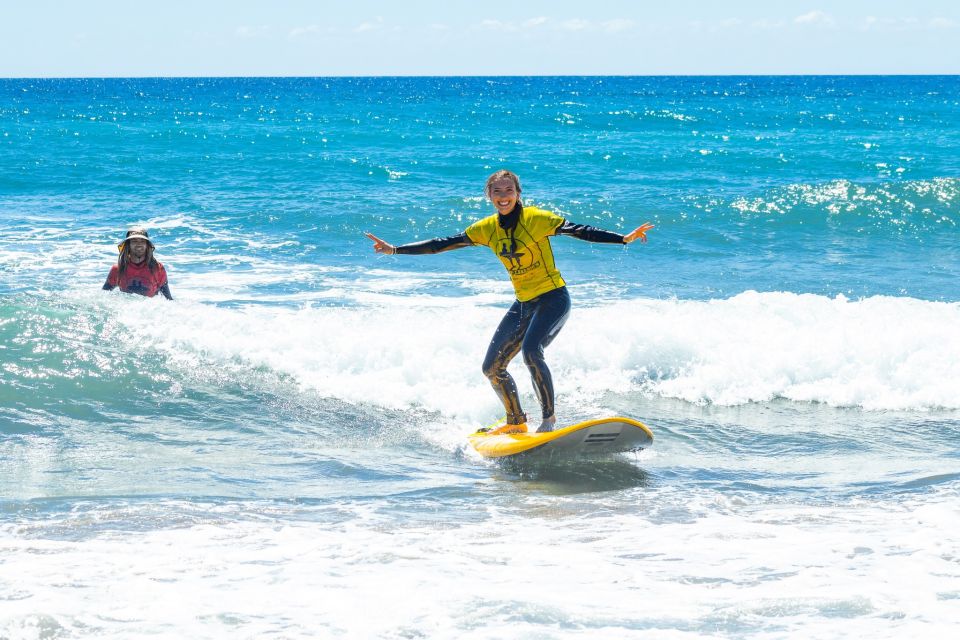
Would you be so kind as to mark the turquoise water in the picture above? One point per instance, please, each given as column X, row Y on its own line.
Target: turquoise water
column 280, row 451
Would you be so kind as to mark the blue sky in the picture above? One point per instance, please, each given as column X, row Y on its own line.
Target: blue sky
column 46, row 38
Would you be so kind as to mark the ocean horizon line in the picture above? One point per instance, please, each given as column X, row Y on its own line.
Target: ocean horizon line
column 492, row 76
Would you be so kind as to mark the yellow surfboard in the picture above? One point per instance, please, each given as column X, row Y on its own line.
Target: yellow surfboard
column 594, row 437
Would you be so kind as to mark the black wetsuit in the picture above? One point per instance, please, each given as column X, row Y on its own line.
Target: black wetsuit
column 528, row 327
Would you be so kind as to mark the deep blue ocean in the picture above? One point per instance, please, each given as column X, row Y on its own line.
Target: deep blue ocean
column 280, row 451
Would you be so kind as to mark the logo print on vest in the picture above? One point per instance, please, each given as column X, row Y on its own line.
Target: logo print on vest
column 512, row 255
column 137, row 286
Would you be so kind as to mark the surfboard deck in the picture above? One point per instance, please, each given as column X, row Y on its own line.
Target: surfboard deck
column 593, row 437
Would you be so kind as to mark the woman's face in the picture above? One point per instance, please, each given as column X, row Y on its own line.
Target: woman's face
column 504, row 195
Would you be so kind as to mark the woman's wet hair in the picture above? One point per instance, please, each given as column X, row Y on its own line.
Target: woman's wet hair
column 499, row 175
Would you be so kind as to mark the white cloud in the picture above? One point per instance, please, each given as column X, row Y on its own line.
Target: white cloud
column 576, row 24
column 871, row 23
column 299, row 32
column 766, row 24
column 246, row 31
column 498, row 25
column 763, row 24
column 943, row 23
column 815, row 18
column 615, row 25
column 369, row 26
column 618, row 25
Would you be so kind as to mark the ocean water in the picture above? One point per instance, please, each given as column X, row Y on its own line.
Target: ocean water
column 280, row 452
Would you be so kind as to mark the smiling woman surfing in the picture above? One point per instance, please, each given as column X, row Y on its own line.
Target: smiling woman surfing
column 520, row 237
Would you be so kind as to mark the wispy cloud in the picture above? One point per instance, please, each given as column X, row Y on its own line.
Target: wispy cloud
column 825, row 20
column 617, row 25
column 715, row 27
column 943, row 23
column 815, row 18
column 311, row 30
column 575, row 24
column 907, row 24
column 730, row 22
column 873, row 22
column 498, row 25
column 767, row 25
column 369, row 26
column 246, row 31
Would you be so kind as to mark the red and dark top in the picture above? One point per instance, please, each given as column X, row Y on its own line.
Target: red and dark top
column 138, row 278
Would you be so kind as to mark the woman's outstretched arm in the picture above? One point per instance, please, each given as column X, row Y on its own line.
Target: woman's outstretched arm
column 592, row 234
column 436, row 245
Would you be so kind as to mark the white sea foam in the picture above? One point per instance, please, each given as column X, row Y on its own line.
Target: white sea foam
column 879, row 353
column 629, row 566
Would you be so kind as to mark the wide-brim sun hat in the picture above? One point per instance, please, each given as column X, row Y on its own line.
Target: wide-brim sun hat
column 134, row 234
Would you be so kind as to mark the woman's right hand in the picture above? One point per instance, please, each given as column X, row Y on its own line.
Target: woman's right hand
column 381, row 246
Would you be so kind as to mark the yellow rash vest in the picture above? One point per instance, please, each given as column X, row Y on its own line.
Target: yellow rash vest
column 525, row 250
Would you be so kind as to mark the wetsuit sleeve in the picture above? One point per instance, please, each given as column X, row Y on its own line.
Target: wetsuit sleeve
column 437, row 245
column 588, row 233
column 111, row 282
column 165, row 287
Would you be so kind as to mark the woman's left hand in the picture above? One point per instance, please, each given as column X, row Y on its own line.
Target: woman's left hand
column 640, row 232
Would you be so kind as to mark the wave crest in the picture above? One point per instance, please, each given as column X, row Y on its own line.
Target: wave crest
column 877, row 353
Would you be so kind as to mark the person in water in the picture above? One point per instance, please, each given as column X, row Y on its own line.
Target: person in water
column 520, row 237
column 137, row 271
